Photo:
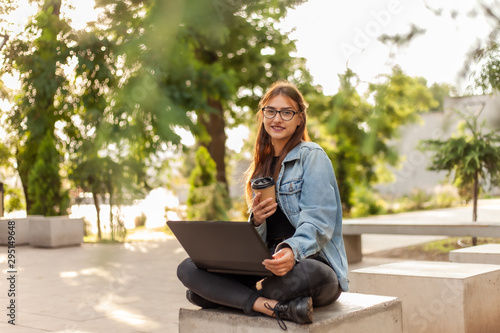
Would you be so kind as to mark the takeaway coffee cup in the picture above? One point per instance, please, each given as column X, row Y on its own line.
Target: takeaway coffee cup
column 264, row 185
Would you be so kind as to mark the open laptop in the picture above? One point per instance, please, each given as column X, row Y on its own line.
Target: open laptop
column 223, row 246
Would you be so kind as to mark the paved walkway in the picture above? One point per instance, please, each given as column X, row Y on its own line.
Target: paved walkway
column 122, row 288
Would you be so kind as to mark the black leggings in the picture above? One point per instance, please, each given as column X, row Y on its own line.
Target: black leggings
column 309, row 277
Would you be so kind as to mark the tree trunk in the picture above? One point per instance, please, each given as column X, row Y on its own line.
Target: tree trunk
column 24, row 183
column 474, row 206
column 98, row 210
column 111, row 221
column 215, row 127
column 26, row 158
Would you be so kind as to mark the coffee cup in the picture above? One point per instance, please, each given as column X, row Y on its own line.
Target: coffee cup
column 264, row 185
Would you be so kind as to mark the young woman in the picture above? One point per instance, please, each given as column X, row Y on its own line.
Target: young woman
column 303, row 228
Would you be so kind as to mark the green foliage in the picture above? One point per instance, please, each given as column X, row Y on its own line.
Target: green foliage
column 473, row 156
column 357, row 134
column 489, row 76
column 44, row 181
column 118, row 230
column 469, row 154
column 140, row 221
column 39, row 56
column 207, row 199
column 4, row 155
column 418, row 199
column 149, row 67
column 196, row 66
column 14, row 200
column 465, row 191
column 366, row 202
column 145, row 68
column 445, row 196
column 440, row 91
column 400, row 40
column 487, row 57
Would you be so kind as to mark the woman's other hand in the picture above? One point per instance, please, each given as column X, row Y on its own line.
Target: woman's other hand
column 262, row 210
column 283, row 262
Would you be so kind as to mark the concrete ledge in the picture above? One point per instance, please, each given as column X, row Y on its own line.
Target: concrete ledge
column 352, row 230
column 476, row 229
column 55, row 231
column 481, row 254
column 437, row 296
column 22, row 228
column 351, row 313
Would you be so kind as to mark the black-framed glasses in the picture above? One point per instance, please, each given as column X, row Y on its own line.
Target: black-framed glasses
column 270, row 112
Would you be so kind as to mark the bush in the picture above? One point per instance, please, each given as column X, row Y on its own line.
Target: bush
column 207, row 199
column 14, row 199
column 419, row 199
column 87, row 228
column 367, row 202
column 445, row 196
column 140, row 221
column 44, row 182
column 118, row 230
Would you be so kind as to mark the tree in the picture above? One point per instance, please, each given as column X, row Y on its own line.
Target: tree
column 13, row 199
column 5, row 156
column 440, row 91
column 44, row 181
column 473, row 155
column 487, row 77
column 39, row 56
column 207, row 199
column 357, row 134
column 90, row 138
column 197, row 65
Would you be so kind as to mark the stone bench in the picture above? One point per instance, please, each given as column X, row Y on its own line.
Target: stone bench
column 353, row 229
column 55, row 231
column 437, row 296
column 351, row 313
column 21, row 229
column 481, row 254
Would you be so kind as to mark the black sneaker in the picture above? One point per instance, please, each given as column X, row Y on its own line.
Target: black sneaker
column 298, row 310
column 197, row 300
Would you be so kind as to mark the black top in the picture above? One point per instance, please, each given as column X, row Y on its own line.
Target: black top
column 278, row 225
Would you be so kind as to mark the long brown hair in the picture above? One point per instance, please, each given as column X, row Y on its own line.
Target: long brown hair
column 263, row 149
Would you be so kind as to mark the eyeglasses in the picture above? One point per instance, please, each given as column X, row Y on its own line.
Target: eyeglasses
column 270, row 112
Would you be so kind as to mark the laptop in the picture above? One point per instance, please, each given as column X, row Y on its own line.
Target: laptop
column 223, row 246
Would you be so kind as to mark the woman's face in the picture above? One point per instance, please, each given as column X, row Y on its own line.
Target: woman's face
column 281, row 130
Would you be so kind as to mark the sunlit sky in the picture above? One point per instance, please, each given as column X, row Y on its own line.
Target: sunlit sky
column 332, row 35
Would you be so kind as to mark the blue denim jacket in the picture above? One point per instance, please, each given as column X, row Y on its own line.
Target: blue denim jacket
column 308, row 194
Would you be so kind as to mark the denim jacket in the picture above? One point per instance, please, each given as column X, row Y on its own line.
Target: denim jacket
column 308, row 194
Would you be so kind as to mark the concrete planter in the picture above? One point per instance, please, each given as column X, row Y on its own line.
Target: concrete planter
column 55, row 231
column 22, row 236
column 438, row 297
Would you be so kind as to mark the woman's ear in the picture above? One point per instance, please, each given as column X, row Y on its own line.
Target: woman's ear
column 301, row 120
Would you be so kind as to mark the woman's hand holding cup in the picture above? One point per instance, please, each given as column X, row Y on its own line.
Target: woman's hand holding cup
column 262, row 210
column 264, row 202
